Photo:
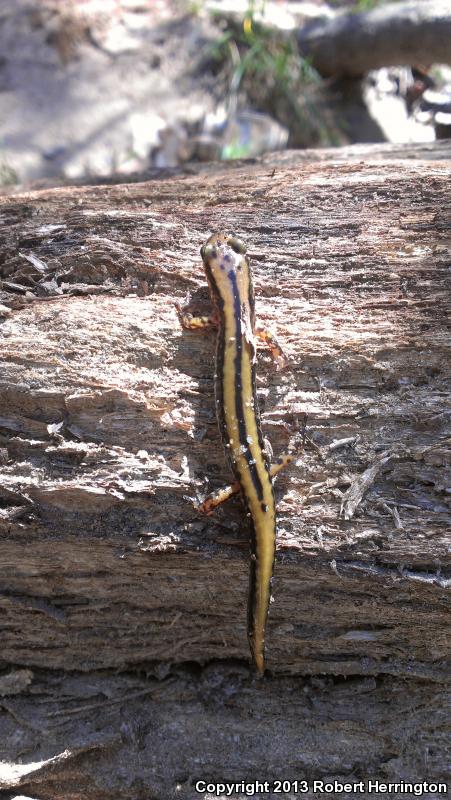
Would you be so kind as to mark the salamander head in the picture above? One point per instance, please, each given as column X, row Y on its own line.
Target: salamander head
column 222, row 252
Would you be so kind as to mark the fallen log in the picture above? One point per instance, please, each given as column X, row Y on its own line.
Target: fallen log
column 135, row 737
column 109, row 434
column 351, row 44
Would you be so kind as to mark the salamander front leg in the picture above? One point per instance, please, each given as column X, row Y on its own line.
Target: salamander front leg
column 193, row 323
column 275, row 349
column 216, row 498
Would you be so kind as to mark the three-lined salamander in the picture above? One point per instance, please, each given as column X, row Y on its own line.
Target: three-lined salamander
column 230, row 280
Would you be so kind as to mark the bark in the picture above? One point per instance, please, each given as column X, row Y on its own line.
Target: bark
column 397, row 33
column 133, row 737
column 123, row 612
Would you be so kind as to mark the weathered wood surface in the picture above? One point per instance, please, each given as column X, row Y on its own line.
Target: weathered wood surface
column 412, row 32
column 129, row 736
column 108, row 431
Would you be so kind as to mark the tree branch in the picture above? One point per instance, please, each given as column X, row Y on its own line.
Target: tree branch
column 396, row 33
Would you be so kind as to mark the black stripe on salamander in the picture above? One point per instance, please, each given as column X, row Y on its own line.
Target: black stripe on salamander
column 251, row 302
column 239, row 409
column 218, row 302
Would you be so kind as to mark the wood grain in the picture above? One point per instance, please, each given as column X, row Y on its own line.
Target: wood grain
column 108, row 433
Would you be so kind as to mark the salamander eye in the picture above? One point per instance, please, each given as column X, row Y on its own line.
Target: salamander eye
column 236, row 245
column 208, row 251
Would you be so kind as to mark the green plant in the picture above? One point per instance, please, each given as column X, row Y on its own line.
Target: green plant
column 274, row 59
column 266, row 68
column 255, row 53
column 193, row 7
column 367, row 5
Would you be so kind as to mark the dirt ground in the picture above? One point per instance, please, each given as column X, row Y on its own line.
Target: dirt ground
column 94, row 88
column 67, row 101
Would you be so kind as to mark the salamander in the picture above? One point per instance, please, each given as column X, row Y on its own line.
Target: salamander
column 230, row 280
column 229, row 277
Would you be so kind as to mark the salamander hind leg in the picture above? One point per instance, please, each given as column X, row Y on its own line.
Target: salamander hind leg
column 220, row 496
column 216, row 498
